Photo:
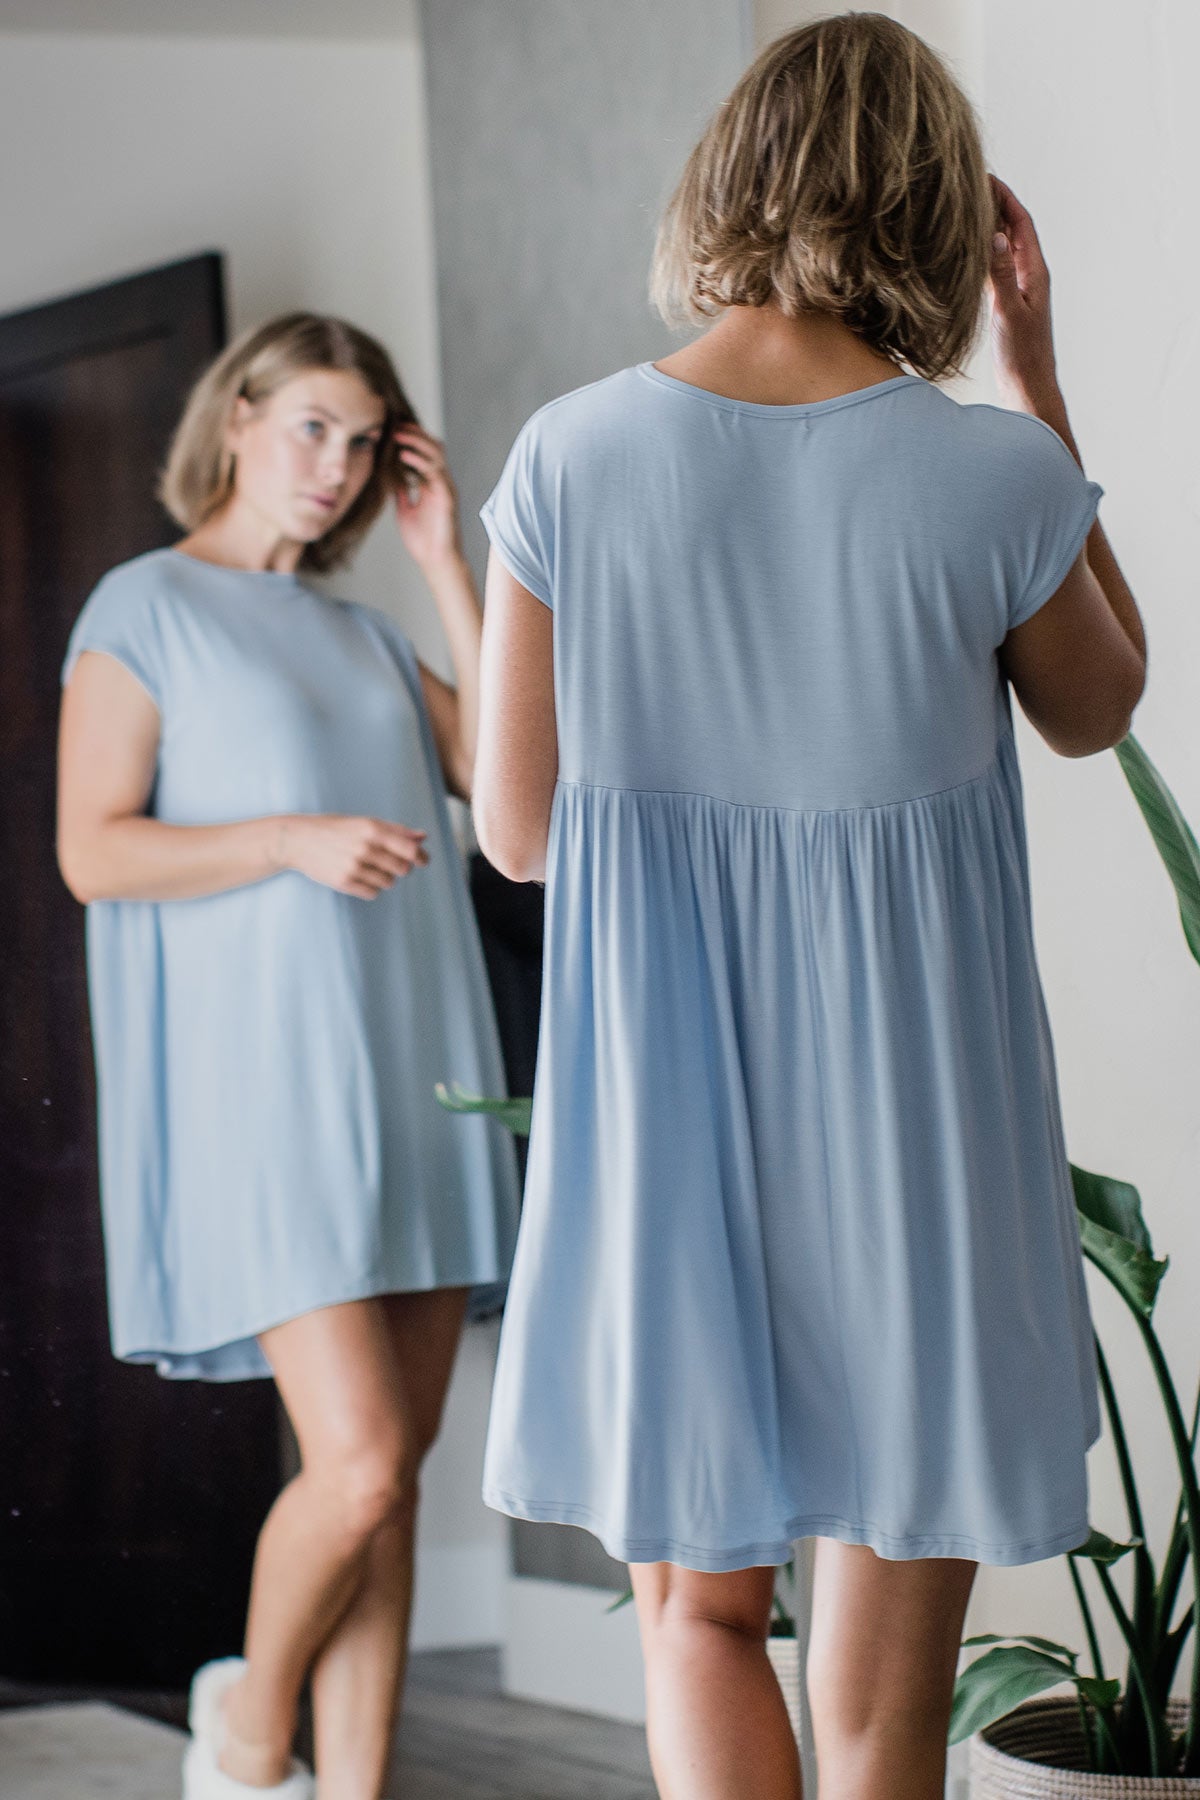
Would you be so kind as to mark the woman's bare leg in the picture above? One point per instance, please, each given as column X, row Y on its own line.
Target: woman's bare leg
column 716, row 1722
column 882, row 1655
column 359, row 1674
column 336, row 1373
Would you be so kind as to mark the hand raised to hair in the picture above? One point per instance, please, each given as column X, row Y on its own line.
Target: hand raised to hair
column 1019, row 290
column 426, row 499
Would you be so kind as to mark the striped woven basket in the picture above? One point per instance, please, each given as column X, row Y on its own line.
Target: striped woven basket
column 1022, row 1757
column 784, row 1653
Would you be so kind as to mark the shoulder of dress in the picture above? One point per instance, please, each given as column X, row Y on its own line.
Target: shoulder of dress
column 591, row 393
column 134, row 586
column 608, row 397
column 989, row 425
column 147, row 569
column 384, row 624
column 981, row 449
column 366, row 613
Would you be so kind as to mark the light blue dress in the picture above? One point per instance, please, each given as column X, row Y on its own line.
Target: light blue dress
column 270, row 1137
column 799, row 1254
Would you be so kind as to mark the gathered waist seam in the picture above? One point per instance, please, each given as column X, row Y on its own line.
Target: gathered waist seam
column 604, row 787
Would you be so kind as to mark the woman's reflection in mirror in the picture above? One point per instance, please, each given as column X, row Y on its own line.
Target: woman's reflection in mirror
column 283, row 962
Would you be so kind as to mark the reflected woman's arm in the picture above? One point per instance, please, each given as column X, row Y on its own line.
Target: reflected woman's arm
column 427, row 515
column 110, row 849
column 454, row 709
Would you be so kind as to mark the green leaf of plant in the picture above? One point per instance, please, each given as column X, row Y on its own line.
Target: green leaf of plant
column 1115, row 1236
column 621, row 1600
column 1114, row 1205
column 1098, row 1548
column 1011, row 1637
column 1101, row 1693
column 1170, row 831
column 998, row 1681
column 514, row 1113
column 1135, row 1275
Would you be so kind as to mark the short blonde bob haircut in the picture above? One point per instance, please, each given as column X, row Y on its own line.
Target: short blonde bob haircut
column 198, row 476
column 844, row 174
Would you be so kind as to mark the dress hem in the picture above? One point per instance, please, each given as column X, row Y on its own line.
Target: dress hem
column 143, row 1354
column 779, row 1549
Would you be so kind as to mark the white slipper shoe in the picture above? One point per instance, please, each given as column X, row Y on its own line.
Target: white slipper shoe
column 203, row 1779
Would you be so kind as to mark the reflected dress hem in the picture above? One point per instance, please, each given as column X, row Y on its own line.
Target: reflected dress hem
column 238, row 1356
column 243, row 1356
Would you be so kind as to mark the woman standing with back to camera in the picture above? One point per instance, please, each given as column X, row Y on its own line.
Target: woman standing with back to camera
column 282, row 963
column 799, row 1255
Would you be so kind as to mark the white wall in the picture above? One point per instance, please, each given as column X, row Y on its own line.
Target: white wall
column 1101, row 138
column 305, row 162
column 1089, row 116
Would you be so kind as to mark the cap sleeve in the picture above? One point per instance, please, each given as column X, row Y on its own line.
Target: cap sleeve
column 517, row 519
column 119, row 618
column 1051, row 506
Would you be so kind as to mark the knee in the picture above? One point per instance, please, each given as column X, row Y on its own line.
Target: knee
column 842, row 1703
column 851, row 1706
column 689, row 1602
column 372, row 1488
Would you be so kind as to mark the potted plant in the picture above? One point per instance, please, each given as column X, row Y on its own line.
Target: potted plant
column 1124, row 1734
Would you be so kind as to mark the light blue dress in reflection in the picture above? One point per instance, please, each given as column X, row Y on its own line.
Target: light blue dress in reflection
column 270, row 1138
column 799, row 1254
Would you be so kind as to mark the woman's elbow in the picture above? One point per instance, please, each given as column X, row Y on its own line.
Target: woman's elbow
column 516, row 851
column 73, row 869
column 1116, row 720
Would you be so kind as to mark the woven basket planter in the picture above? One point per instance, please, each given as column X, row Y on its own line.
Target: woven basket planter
column 1021, row 1757
column 784, row 1653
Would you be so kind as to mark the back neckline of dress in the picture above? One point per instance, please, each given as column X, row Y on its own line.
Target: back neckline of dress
column 795, row 409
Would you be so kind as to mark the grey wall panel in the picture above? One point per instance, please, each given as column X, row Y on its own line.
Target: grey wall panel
column 557, row 129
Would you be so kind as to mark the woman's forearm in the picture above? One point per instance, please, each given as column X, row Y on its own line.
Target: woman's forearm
column 139, row 858
column 453, row 587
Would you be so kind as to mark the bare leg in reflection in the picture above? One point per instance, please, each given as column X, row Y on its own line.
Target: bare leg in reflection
column 883, row 1651
column 716, row 1723
column 359, row 1675
column 332, row 1583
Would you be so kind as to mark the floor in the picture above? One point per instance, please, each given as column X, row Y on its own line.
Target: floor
column 460, row 1737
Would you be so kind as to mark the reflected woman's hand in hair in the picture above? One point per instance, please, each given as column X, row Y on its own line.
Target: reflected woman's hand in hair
column 1019, row 287
column 426, row 498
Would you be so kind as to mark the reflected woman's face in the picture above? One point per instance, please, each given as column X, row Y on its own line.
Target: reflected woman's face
column 304, row 454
